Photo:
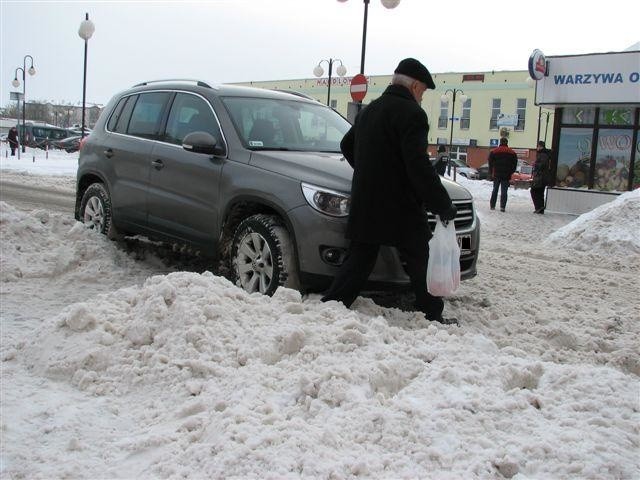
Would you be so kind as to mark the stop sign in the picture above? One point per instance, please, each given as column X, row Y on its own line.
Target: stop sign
column 358, row 87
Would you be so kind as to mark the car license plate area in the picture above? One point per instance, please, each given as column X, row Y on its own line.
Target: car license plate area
column 464, row 242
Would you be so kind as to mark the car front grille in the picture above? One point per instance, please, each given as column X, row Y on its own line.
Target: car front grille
column 464, row 217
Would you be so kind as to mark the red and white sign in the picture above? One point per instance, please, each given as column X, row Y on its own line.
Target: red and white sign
column 358, row 87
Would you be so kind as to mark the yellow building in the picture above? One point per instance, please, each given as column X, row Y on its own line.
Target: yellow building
column 495, row 104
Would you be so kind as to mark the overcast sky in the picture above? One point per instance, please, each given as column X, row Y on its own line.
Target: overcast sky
column 242, row 40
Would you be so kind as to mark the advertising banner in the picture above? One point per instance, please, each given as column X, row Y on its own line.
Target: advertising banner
column 591, row 79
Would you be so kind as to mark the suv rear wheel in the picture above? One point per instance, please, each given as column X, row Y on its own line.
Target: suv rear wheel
column 95, row 208
column 262, row 255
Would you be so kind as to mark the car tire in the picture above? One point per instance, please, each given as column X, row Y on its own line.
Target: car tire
column 262, row 255
column 95, row 209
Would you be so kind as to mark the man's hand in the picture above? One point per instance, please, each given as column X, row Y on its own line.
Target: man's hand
column 449, row 214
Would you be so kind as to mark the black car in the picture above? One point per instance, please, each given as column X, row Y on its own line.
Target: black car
column 483, row 172
column 69, row 144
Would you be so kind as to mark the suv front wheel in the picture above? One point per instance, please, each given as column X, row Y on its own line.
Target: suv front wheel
column 262, row 255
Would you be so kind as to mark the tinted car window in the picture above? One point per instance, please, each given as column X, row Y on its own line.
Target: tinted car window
column 122, row 122
column 111, row 125
column 190, row 113
column 147, row 115
column 265, row 123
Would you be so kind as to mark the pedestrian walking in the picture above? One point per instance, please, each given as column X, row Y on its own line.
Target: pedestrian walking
column 12, row 138
column 393, row 181
column 442, row 160
column 541, row 177
column 502, row 163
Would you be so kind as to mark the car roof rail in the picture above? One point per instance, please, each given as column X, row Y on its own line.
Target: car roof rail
column 197, row 82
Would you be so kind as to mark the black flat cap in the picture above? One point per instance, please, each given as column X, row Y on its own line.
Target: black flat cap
column 414, row 69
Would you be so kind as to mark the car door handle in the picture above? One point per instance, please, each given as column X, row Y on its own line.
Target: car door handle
column 158, row 164
column 108, row 153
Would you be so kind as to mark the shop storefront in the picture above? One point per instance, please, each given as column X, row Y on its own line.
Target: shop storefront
column 596, row 98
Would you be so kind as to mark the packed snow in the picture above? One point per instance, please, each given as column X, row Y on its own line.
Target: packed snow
column 117, row 365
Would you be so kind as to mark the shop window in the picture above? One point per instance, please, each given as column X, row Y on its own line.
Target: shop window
column 334, row 104
column 613, row 157
column 578, row 116
column 521, row 110
column 495, row 111
column 616, row 116
column 465, row 119
column 444, row 113
column 574, row 156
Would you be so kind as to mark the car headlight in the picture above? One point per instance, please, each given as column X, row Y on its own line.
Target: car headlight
column 327, row 201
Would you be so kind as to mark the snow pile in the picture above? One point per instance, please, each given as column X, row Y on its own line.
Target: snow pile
column 611, row 229
column 229, row 384
column 125, row 372
column 39, row 244
column 36, row 161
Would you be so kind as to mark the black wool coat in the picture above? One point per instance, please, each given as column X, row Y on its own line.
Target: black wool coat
column 542, row 169
column 393, row 179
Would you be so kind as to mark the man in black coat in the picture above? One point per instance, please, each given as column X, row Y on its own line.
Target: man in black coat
column 442, row 161
column 393, row 181
column 541, row 177
column 502, row 163
column 12, row 138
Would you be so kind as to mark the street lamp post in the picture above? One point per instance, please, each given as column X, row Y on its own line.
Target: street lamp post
column 387, row 4
column 445, row 98
column 16, row 83
column 318, row 71
column 85, row 31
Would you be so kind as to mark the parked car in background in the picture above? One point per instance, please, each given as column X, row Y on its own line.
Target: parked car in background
column 251, row 177
column 69, row 144
column 521, row 178
column 464, row 170
column 43, row 135
column 483, row 171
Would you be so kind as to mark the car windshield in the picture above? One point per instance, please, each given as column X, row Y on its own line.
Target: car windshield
column 276, row 124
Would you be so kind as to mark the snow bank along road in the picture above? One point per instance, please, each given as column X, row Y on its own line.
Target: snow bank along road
column 117, row 368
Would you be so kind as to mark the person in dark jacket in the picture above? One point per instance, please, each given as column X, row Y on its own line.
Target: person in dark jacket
column 393, row 181
column 442, row 161
column 502, row 163
column 12, row 138
column 541, row 176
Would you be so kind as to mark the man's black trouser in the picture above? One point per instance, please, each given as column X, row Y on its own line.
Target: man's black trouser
column 360, row 260
column 537, row 195
column 503, row 185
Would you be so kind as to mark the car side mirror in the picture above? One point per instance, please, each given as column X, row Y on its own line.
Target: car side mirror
column 202, row 142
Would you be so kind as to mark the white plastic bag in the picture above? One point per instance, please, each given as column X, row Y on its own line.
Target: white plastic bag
column 443, row 270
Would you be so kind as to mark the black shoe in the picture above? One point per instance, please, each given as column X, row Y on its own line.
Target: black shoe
column 492, row 208
column 540, row 211
column 502, row 209
column 444, row 321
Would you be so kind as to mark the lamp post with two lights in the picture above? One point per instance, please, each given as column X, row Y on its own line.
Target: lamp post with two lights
column 85, row 31
column 390, row 4
column 318, row 71
column 445, row 98
column 16, row 83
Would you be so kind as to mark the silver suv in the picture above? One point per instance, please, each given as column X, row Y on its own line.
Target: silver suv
column 252, row 177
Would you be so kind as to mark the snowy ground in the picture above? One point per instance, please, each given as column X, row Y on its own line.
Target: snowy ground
column 120, row 368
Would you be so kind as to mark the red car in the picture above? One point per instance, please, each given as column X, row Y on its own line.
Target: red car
column 521, row 178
